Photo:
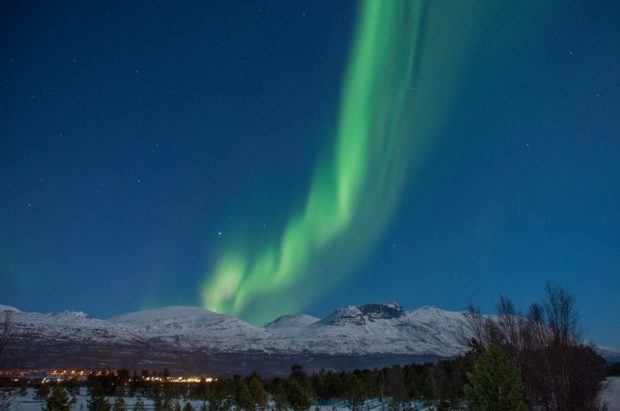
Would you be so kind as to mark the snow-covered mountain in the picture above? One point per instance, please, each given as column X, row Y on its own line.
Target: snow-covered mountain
column 376, row 329
column 368, row 329
column 292, row 321
column 66, row 327
column 192, row 327
column 191, row 338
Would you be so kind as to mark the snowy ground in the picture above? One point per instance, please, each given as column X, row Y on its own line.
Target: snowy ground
column 28, row 403
column 610, row 396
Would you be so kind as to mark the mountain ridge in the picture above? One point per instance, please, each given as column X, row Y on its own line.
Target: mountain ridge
column 380, row 328
column 194, row 337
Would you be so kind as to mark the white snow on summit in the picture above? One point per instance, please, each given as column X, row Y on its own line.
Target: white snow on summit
column 4, row 308
column 380, row 329
column 367, row 329
column 192, row 327
column 69, row 327
column 292, row 321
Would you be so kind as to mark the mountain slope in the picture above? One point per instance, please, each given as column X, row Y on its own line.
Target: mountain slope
column 367, row 329
column 69, row 327
column 380, row 329
column 192, row 327
column 291, row 321
column 191, row 338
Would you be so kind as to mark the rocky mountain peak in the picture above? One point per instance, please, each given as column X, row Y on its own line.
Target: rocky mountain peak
column 382, row 311
column 360, row 315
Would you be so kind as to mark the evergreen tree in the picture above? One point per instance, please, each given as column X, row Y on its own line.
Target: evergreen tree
column 98, row 400
column 43, row 390
column 139, row 405
column 279, row 396
column 202, row 391
column 219, row 394
column 119, row 404
column 166, row 404
column 298, row 389
column 157, row 403
column 354, row 391
column 242, row 396
column 23, row 391
column 73, row 387
column 257, row 392
column 297, row 395
column 58, row 400
column 120, row 391
column 495, row 383
column 188, row 407
column 176, row 406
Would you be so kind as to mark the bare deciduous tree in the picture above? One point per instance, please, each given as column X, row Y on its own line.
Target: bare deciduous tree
column 562, row 317
column 5, row 339
column 5, row 335
column 559, row 371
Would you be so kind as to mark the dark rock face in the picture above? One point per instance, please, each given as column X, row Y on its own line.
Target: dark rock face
column 365, row 313
column 382, row 311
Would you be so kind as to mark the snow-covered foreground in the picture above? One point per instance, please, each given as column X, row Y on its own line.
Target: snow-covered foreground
column 28, row 403
column 610, row 396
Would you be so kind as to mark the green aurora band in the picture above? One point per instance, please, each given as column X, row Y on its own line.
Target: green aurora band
column 406, row 60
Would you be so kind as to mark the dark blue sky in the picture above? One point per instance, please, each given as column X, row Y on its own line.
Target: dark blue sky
column 132, row 133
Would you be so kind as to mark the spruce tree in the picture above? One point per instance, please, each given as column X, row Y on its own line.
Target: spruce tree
column 279, row 396
column 139, row 405
column 257, row 392
column 58, row 400
column 242, row 396
column 22, row 390
column 297, row 395
column 43, row 390
column 119, row 404
column 188, row 407
column 203, row 391
column 157, row 404
column 98, row 400
column 73, row 387
column 495, row 383
column 354, row 391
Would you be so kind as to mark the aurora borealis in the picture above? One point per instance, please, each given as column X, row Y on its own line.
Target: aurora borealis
column 390, row 107
column 354, row 190
column 279, row 157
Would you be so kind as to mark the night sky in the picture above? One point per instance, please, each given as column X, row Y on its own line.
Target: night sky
column 141, row 142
